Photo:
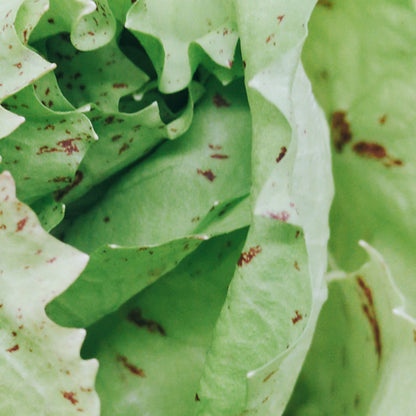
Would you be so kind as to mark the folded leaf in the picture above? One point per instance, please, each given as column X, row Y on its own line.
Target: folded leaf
column 45, row 374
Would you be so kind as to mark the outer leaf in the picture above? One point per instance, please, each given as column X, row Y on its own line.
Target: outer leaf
column 19, row 65
column 267, row 323
column 167, row 338
column 45, row 375
column 173, row 36
column 45, row 151
column 91, row 24
column 374, row 173
column 368, row 363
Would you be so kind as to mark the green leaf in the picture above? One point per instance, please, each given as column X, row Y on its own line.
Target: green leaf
column 45, row 374
column 91, row 24
column 221, row 207
column 152, row 350
column 267, row 322
column 43, row 153
column 363, row 351
column 180, row 37
column 179, row 183
column 361, row 62
column 100, row 77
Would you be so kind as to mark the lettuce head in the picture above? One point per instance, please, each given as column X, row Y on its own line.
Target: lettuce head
column 207, row 208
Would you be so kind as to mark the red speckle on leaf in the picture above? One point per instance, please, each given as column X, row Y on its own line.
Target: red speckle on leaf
column 269, row 376
column 219, row 101
column 21, row 224
column 341, row 133
column 230, row 63
column 246, row 257
column 280, row 18
column 69, row 395
column 14, row 333
column 120, row 85
column 135, row 316
column 14, row 348
column 91, row 33
column 214, row 147
column 372, row 150
column 370, row 312
column 51, row 260
column 69, row 146
column 282, row 153
column 382, row 119
column 297, row 234
column 218, row 156
column 207, row 173
column 270, row 37
column 132, row 368
column 297, row 318
column 296, row 266
column 281, row 216
column 18, row 65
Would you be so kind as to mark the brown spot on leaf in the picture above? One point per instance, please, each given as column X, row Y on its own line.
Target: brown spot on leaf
column 282, row 153
column 370, row 312
column 109, row 120
column 382, row 119
column 215, row 146
column 281, row 216
column 135, row 316
column 116, row 137
column 21, row 224
column 132, row 368
column 106, row 219
column 340, row 128
column 280, row 18
column 296, row 266
column 120, row 85
column 298, row 317
column 219, row 101
column 123, row 148
column 197, row 399
column 69, row 146
column 325, row 3
column 372, row 150
column 14, row 348
column 297, row 234
column 218, row 156
column 269, row 376
column 69, row 395
column 77, row 180
column 207, row 173
column 246, row 257
column 51, row 21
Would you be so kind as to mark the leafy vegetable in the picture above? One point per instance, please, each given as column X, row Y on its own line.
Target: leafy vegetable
column 177, row 151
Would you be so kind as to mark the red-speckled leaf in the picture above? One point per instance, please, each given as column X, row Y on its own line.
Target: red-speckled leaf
column 44, row 152
column 124, row 138
column 363, row 352
column 165, row 332
column 178, row 37
column 91, row 24
column 43, row 373
column 267, row 322
column 179, row 183
column 19, row 65
column 100, row 77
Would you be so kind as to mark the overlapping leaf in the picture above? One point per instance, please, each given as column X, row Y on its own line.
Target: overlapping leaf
column 43, row 373
column 276, row 294
column 368, row 362
column 204, row 159
column 178, row 37
column 361, row 59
